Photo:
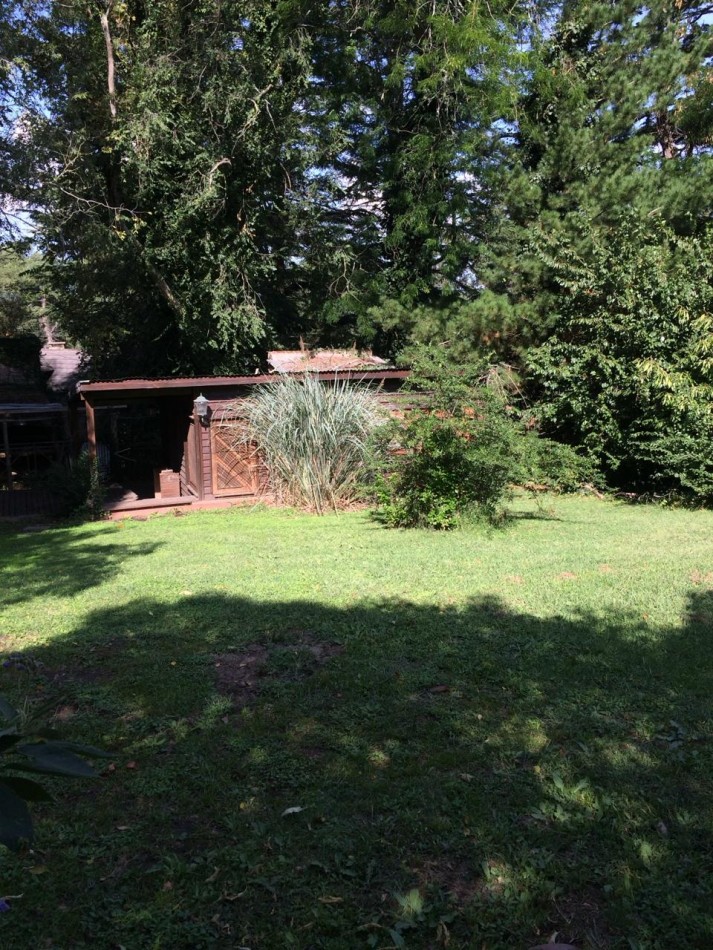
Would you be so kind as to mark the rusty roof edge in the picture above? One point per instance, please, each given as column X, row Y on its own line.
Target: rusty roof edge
column 217, row 382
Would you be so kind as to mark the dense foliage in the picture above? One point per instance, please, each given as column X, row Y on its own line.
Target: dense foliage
column 627, row 371
column 209, row 179
column 457, row 455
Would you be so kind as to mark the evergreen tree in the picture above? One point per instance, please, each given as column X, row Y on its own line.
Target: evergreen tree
column 614, row 118
column 408, row 95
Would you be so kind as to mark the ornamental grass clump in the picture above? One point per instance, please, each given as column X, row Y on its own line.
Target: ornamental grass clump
column 313, row 437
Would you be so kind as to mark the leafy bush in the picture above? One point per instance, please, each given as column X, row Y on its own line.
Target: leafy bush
column 626, row 373
column 554, row 466
column 313, row 436
column 456, row 457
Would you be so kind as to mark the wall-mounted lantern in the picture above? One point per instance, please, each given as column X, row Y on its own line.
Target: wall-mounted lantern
column 201, row 407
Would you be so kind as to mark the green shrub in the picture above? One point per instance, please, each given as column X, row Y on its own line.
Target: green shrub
column 457, row 456
column 451, row 467
column 626, row 371
column 554, row 466
column 314, row 438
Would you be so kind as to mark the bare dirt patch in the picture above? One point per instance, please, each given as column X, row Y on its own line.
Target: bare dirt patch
column 580, row 919
column 699, row 577
column 66, row 712
column 239, row 675
column 456, row 877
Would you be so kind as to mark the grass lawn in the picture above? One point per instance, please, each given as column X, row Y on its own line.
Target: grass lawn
column 491, row 737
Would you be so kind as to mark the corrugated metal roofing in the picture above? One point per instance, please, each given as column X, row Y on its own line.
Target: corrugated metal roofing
column 30, row 408
column 191, row 384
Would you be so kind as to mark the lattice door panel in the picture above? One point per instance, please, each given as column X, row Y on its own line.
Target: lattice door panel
column 236, row 469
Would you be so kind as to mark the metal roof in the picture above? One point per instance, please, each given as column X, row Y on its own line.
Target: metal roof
column 188, row 384
column 30, row 408
column 63, row 364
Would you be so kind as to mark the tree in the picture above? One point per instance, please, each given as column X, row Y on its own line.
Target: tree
column 408, row 94
column 612, row 118
column 162, row 158
column 217, row 177
column 627, row 371
column 20, row 294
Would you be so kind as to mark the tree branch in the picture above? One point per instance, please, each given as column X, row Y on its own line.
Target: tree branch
column 110, row 62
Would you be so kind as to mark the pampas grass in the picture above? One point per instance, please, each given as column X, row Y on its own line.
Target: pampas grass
column 313, row 437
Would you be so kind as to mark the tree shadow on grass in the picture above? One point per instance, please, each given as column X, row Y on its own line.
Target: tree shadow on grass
column 378, row 773
column 59, row 562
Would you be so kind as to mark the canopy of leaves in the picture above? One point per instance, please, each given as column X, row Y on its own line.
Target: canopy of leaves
column 208, row 179
column 627, row 371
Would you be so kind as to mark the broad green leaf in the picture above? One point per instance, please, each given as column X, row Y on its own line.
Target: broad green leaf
column 27, row 789
column 6, row 710
column 15, row 820
column 46, row 758
column 81, row 749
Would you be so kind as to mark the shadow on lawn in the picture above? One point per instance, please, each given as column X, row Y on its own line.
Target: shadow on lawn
column 59, row 562
column 525, row 775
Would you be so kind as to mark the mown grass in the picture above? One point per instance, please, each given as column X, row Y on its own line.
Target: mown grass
column 494, row 736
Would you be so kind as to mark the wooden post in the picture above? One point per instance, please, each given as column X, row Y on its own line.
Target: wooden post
column 91, row 429
column 198, row 439
column 8, row 460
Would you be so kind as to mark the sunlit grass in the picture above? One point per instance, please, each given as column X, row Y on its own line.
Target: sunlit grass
column 491, row 736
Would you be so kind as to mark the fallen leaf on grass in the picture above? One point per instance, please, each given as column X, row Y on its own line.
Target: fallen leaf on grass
column 330, row 900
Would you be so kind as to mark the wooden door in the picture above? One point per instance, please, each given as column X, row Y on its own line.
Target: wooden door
column 191, row 463
column 235, row 466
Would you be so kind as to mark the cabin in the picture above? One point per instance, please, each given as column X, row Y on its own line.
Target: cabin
column 164, row 443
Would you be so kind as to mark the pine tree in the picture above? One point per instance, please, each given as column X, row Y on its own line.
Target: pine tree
column 613, row 118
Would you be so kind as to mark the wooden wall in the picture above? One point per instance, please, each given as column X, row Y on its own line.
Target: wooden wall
column 210, row 468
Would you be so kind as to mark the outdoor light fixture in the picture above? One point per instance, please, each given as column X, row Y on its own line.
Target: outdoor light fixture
column 201, row 406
